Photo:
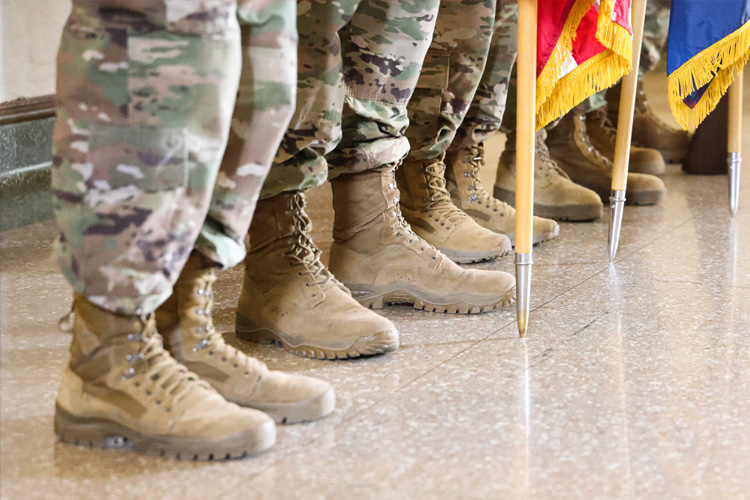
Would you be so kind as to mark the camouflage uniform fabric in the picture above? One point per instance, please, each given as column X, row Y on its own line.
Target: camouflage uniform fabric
column 359, row 61
column 450, row 76
column 488, row 107
column 146, row 90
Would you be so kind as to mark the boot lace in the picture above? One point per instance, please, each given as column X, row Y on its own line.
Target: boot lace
column 151, row 360
column 603, row 122
column 399, row 224
column 439, row 199
column 546, row 165
column 479, row 193
column 213, row 340
column 304, row 251
column 589, row 149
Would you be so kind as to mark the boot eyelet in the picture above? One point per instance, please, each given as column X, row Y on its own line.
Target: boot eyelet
column 200, row 291
column 198, row 311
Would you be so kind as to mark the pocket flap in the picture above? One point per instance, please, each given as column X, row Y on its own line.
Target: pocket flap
column 435, row 70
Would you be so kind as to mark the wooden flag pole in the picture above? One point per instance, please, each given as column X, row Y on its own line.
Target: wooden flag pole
column 526, row 132
column 625, row 132
column 735, row 142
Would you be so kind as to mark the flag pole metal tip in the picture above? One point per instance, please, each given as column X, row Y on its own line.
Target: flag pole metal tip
column 617, row 203
column 735, row 167
column 524, row 263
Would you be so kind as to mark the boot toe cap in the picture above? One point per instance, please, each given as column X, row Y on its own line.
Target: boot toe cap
column 545, row 229
column 645, row 189
column 646, row 161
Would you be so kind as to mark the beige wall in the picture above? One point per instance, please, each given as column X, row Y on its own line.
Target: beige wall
column 29, row 34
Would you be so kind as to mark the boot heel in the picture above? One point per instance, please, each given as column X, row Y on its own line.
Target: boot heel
column 88, row 432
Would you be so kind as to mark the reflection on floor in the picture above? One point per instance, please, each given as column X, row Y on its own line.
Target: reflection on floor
column 634, row 381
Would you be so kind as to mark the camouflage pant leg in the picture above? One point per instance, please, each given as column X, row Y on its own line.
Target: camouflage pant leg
column 315, row 128
column 385, row 48
column 488, row 107
column 655, row 33
column 265, row 104
column 145, row 94
column 450, row 76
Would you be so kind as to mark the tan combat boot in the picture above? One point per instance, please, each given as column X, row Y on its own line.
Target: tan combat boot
column 603, row 135
column 570, row 147
column 383, row 262
column 288, row 296
column 427, row 207
column 121, row 389
column 555, row 195
column 649, row 131
column 186, row 323
column 463, row 168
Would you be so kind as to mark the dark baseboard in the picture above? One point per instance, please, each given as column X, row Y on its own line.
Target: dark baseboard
column 27, row 109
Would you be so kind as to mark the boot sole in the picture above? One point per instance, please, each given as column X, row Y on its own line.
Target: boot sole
column 460, row 257
column 299, row 411
column 106, row 434
column 572, row 213
column 377, row 343
column 644, row 197
column 538, row 238
column 378, row 299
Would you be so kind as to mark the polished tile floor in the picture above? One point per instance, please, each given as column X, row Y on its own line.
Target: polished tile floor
column 634, row 381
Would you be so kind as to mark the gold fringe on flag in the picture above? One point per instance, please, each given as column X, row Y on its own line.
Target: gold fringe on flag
column 556, row 96
column 715, row 65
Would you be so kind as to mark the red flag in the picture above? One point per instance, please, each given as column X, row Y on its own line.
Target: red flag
column 583, row 46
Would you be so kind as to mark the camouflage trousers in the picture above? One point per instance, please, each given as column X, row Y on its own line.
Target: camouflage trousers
column 146, row 94
column 359, row 61
column 450, row 76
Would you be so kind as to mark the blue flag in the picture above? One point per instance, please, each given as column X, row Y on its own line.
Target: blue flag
column 708, row 41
